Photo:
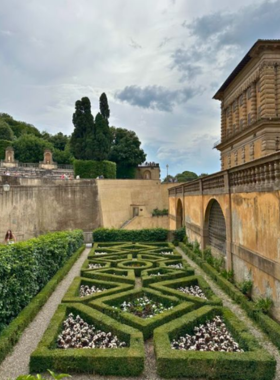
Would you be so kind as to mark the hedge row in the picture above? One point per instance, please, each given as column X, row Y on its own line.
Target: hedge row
column 267, row 324
column 12, row 333
column 147, row 326
column 26, row 267
column 252, row 364
column 127, row 361
column 144, row 235
column 94, row 169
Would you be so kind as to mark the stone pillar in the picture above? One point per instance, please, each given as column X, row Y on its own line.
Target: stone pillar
column 277, row 73
column 268, row 91
column 229, row 263
column 223, row 122
column 244, row 109
column 253, row 103
column 230, row 120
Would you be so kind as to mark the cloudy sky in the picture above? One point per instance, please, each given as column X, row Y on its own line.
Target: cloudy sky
column 159, row 62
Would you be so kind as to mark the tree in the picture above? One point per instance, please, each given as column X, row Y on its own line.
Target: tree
column 19, row 128
column 59, row 140
column 82, row 139
column 126, row 152
column 186, row 176
column 6, row 132
column 103, row 106
column 102, row 138
column 29, row 148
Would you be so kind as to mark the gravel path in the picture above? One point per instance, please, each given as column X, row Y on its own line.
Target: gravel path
column 17, row 362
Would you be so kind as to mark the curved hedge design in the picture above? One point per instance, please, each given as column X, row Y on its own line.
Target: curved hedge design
column 141, row 274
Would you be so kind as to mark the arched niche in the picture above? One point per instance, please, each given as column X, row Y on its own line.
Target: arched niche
column 179, row 214
column 215, row 233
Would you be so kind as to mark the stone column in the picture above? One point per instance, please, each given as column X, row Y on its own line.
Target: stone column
column 223, row 122
column 244, row 109
column 268, row 91
column 277, row 73
column 253, row 103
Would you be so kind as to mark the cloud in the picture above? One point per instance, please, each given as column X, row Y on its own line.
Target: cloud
column 134, row 44
column 220, row 39
column 155, row 97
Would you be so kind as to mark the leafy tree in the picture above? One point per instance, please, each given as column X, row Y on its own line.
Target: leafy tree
column 6, row 132
column 126, row 152
column 203, row 175
column 103, row 106
column 19, row 128
column 63, row 156
column 59, row 140
column 82, row 139
column 186, row 176
column 102, row 138
column 29, row 148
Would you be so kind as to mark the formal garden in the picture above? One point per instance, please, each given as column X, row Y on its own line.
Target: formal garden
column 131, row 290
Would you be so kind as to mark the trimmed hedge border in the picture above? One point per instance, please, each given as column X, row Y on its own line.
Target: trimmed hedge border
column 127, row 276
column 115, row 235
column 85, row 265
column 120, row 361
column 72, row 294
column 167, row 274
column 128, row 264
column 146, row 326
column 267, row 324
column 253, row 364
column 12, row 333
column 170, row 287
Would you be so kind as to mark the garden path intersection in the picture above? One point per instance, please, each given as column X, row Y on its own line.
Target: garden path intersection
column 131, row 275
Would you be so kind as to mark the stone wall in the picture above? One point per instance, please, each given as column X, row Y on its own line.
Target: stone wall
column 35, row 206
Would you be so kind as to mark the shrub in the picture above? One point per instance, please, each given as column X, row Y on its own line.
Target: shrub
column 228, row 274
column 157, row 212
column 26, row 267
column 246, row 287
column 145, row 235
column 179, row 234
column 39, row 377
column 93, row 169
column 264, row 304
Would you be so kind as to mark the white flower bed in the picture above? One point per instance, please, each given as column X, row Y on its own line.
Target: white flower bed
column 101, row 253
column 212, row 336
column 193, row 291
column 86, row 290
column 167, row 253
column 155, row 274
column 77, row 333
column 144, row 307
column 176, row 266
column 95, row 266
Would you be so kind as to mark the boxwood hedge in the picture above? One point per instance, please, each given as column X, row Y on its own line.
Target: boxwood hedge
column 144, row 235
column 128, row 361
column 26, row 267
column 253, row 364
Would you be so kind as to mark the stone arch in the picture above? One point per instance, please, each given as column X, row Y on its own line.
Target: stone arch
column 215, row 227
column 147, row 174
column 179, row 214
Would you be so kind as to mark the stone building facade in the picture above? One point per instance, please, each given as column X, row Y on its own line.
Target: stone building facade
column 250, row 106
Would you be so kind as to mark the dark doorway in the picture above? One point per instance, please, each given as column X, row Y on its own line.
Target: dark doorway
column 179, row 214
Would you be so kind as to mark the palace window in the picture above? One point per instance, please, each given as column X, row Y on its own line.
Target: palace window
column 234, row 106
column 241, row 123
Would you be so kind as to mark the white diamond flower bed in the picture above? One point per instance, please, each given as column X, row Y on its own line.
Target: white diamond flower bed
column 101, row 253
column 77, row 333
column 144, row 307
column 155, row 274
column 193, row 291
column 212, row 336
column 167, row 253
column 86, row 290
column 95, row 266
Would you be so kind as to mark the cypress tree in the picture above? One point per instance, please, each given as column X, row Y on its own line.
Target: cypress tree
column 82, row 139
column 103, row 138
column 103, row 106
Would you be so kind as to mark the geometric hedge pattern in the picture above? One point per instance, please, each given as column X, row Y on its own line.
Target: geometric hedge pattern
column 130, row 271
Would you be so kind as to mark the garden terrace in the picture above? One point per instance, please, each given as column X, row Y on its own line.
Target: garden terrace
column 252, row 364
